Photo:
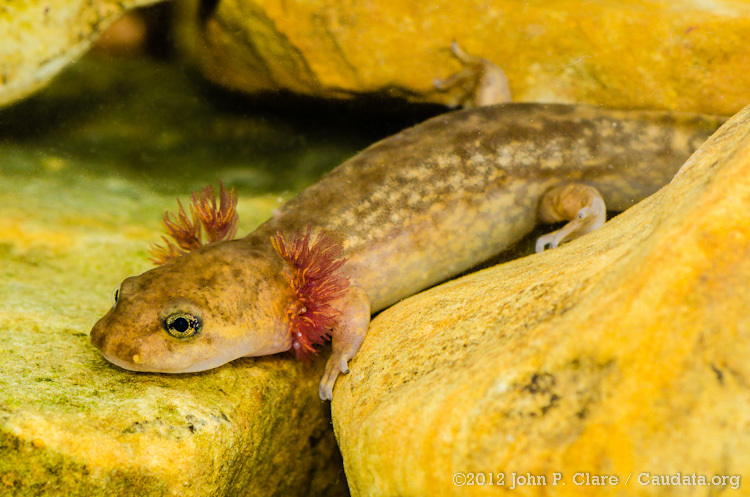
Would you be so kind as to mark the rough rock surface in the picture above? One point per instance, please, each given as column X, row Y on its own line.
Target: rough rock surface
column 622, row 353
column 688, row 56
column 86, row 169
column 40, row 37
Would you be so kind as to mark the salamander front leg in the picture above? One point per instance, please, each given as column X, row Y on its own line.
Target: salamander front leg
column 347, row 337
column 581, row 205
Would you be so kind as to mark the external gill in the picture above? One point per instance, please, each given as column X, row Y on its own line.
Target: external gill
column 313, row 272
column 219, row 222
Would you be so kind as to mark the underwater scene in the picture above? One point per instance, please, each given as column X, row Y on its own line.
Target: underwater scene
column 256, row 248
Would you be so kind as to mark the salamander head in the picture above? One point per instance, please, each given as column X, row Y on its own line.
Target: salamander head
column 203, row 309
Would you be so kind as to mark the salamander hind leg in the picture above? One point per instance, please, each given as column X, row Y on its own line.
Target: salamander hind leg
column 346, row 337
column 479, row 83
column 581, row 205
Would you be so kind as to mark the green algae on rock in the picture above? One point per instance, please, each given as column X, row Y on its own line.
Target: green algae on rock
column 621, row 353
column 72, row 424
column 573, row 51
column 81, row 199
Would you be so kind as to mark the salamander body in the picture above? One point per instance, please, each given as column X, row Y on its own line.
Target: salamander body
column 406, row 213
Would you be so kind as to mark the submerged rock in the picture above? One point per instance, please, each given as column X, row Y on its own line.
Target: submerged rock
column 73, row 424
column 81, row 196
column 573, row 51
column 623, row 353
column 41, row 37
column 570, row 51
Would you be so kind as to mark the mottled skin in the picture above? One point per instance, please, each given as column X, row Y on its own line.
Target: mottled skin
column 410, row 211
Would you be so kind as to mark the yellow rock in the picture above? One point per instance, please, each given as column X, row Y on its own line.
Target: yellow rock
column 689, row 56
column 40, row 37
column 624, row 353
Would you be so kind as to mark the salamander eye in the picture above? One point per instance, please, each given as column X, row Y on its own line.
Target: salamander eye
column 182, row 324
column 115, row 296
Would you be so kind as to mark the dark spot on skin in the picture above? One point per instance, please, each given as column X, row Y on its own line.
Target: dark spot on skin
column 206, row 281
column 125, row 351
column 256, row 246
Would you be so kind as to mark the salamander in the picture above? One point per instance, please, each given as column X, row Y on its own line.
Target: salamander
column 410, row 211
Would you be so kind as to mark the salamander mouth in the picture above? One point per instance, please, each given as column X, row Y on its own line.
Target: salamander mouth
column 196, row 367
column 137, row 362
column 125, row 365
